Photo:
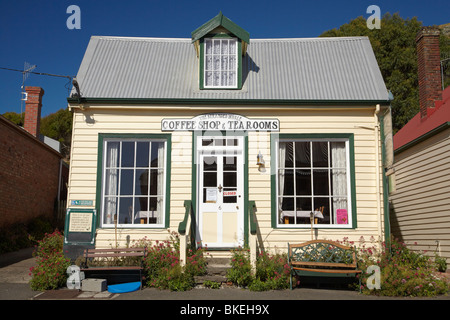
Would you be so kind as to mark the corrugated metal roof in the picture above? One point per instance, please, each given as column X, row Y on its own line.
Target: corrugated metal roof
column 273, row 69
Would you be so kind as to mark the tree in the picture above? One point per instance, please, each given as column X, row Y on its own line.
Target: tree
column 17, row 118
column 395, row 50
column 58, row 126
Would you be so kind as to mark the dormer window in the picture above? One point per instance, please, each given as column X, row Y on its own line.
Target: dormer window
column 220, row 45
column 220, row 63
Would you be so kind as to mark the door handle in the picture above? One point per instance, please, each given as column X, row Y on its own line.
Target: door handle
column 220, row 188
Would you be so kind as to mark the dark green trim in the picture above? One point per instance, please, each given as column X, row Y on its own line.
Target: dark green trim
column 429, row 134
column 217, row 21
column 274, row 137
column 102, row 137
column 194, row 177
column 202, row 66
column 214, row 102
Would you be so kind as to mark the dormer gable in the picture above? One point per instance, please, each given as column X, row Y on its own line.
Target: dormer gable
column 220, row 45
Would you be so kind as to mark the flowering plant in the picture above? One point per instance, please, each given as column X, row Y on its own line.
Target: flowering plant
column 272, row 271
column 51, row 264
column 163, row 268
column 403, row 272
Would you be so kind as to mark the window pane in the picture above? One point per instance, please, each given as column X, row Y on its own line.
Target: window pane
column 207, row 142
column 216, row 46
column 304, row 204
column 127, row 154
column 287, row 204
column 320, row 154
column 157, row 160
column 224, row 78
column 232, row 46
column 109, row 209
column 286, row 155
column 231, row 78
column 125, row 210
column 216, row 79
column 208, row 79
column 126, row 181
column 208, row 63
column 224, row 47
column 154, row 182
column 111, row 181
column 320, row 182
column 216, row 63
column 210, row 163
column 210, row 179
column 288, row 183
column 140, row 204
column 208, row 46
column 142, row 154
column 229, row 179
column 141, row 186
column 229, row 163
column 302, row 154
column 303, row 182
column 339, row 182
column 232, row 63
column 323, row 205
column 112, row 154
column 338, row 155
column 225, row 63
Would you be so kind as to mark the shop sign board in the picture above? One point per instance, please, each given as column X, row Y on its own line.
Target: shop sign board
column 220, row 122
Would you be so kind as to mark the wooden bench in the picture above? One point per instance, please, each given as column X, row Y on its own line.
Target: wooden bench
column 120, row 261
column 322, row 258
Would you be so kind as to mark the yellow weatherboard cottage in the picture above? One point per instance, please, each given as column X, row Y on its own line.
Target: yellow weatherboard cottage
column 230, row 141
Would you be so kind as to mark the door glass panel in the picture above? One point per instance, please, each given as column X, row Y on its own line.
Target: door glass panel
column 229, row 163
column 210, row 179
column 229, row 195
column 210, row 164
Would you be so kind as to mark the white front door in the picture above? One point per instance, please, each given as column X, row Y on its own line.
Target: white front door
column 220, row 192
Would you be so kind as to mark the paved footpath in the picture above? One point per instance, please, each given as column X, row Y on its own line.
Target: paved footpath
column 14, row 278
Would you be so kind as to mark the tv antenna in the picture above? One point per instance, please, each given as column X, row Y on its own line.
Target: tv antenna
column 27, row 68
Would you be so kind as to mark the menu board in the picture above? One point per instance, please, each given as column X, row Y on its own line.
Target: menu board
column 80, row 226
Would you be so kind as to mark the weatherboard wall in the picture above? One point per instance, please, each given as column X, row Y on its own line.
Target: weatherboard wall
column 358, row 121
column 420, row 206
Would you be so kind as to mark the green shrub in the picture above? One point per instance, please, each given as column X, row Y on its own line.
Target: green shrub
column 272, row 271
column 163, row 268
column 51, row 264
column 240, row 271
column 403, row 272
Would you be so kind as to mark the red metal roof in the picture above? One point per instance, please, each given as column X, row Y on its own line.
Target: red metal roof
column 417, row 127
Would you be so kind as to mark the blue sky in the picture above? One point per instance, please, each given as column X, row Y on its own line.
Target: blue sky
column 36, row 31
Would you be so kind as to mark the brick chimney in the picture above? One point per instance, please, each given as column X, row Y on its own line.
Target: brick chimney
column 429, row 68
column 33, row 104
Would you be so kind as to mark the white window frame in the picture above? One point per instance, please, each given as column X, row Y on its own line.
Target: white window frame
column 334, row 225
column 220, row 54
column 163, row 196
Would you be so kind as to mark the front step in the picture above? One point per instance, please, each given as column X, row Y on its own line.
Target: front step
column 218, row 264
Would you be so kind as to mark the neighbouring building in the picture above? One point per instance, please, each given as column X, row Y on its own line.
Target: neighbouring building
column 220, row 121
column 421, row 202
column 31, row 167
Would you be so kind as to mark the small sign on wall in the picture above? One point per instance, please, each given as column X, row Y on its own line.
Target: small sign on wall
column 342, row 216
column 84, row 203
column 80, row 226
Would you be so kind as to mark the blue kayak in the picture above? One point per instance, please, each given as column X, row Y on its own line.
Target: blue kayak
column 124, row 287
